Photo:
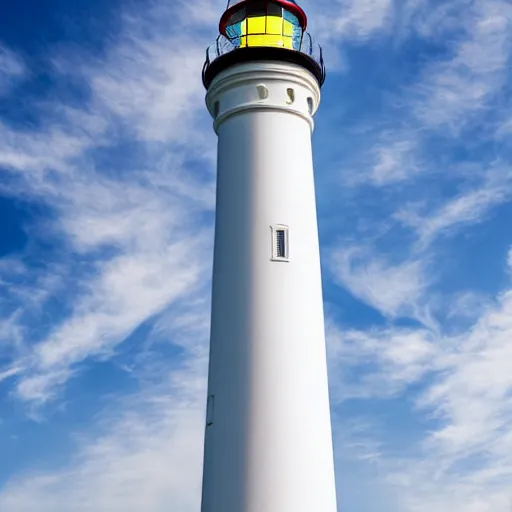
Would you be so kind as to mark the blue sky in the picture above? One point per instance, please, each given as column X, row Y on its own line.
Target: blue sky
column 107, row 178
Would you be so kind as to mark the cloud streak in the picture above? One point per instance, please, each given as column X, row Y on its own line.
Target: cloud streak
column 131, row 240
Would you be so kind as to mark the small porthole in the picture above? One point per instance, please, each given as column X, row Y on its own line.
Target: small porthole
column 310, row 105
column 280, row 243
column 262, row 92
column 216, row 109
column 291, row 96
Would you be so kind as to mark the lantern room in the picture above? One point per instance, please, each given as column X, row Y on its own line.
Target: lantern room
column 263, row 30
column 264, row 23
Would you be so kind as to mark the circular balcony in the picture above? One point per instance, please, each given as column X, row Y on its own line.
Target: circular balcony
column 226, row 52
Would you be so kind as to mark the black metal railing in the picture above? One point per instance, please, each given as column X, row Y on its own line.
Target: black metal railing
column 223, row 46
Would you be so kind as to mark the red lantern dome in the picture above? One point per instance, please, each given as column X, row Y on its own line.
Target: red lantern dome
column 240, row 9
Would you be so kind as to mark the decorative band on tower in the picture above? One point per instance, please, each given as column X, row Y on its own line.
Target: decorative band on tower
column 252, row 30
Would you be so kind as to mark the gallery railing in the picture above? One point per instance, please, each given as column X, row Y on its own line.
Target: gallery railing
column 306, row 46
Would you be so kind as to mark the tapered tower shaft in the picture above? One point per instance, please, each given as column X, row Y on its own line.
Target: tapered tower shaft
column 268, row 444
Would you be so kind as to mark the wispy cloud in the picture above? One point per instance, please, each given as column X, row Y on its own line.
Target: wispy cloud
column 131, row 240
column 143, row 450
column 465, row 387
column 470, row 206
column 394, row 162
column 433, row 164
column 12, row 69
column 378, row 363
column 452, row 91
column 145, row 455
column 394, row 289
column 346, row 20
column 448, row 104
column 356, row 19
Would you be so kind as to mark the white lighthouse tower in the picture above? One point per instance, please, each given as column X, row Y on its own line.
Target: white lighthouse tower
column 268, row 441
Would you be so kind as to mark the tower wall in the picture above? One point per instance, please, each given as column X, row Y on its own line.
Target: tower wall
column 268, row 444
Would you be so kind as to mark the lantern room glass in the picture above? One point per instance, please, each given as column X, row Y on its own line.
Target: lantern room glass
column 263, row 23
column 252, row 29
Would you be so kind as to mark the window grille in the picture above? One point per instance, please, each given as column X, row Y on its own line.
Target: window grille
column 280, row 243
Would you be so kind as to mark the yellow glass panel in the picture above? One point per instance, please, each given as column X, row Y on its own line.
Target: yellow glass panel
column 266, row 40
column 288, row 28
column 274, row 25
column 256, row 25
column 288, row 42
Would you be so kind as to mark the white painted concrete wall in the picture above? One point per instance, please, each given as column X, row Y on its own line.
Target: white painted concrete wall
column 268, row 447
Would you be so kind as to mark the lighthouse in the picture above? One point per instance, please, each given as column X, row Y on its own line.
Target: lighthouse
column 268, row 440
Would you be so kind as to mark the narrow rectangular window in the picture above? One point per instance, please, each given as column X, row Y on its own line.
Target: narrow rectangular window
column 280, row 243
column 210, row 410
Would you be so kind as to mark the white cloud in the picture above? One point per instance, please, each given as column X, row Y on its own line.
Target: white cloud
column 378, row 363
column 464, row 460
column 393, row 289
column 469, row 206
column 9, row 373
column 354, row 19
column 141, row 83
column 345, row 20
column 131, row 241
column 143, row 451
column 129, row 290
column 473, row 395
column 448, row 96
column 453, row 90
column 394, row 162
column 146, row 455
column 12, row 69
